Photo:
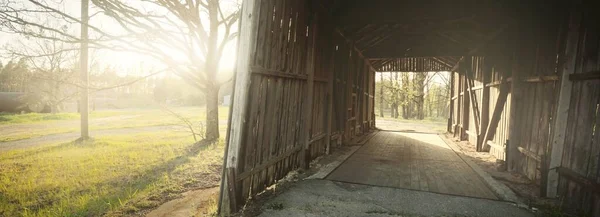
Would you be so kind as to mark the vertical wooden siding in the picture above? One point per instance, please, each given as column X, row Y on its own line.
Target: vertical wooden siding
column 497, row 144
column 530, row 110
column 580, row 169
column 296, row 56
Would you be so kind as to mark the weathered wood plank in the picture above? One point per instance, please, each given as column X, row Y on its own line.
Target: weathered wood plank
column 485, row 103
column 498, row 110
column 591, row 75
column 563, row 106
column 230, row 196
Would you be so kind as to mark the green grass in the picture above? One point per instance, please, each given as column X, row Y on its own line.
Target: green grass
column 114, row 176
column 10, row 118
column 426, row 120
column 33, row 125
column 435, row 124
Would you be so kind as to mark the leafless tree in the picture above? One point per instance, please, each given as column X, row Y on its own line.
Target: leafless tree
column 196, row 30
column 51, row 68
column 188, row 36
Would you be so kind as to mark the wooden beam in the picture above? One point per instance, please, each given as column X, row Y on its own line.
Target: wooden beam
column 537, row 79
column 487, row 39
column 282, row 74
column 472, row 95
column 451, row 116
column 485, row 105
column 496, row 146
column 330, row 111
column 442, row 61
column 270, row 162
column 529, row 154
column 576, row 177
column 308, row 109
column 329, row 16
column 512, row 153
column 498, row 109
column 593, row 75
column 465, row 104
column 230, row 194
column 521, row 38
column 563, row 104
column 352, row 47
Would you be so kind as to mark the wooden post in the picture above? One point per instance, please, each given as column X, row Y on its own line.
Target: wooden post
column 466, row 98
column 512, row 151
column 458, row 127
column 485, row 106
column 231, row 191
column 562, row 109
column 452, row 101
column 84, row 103
column 493, row 124
column 308, row 109
column 330, row 102
column 469, row 76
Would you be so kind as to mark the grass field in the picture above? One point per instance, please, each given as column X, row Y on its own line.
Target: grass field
column 437, row 125
column 24, row 126
column 120, row 175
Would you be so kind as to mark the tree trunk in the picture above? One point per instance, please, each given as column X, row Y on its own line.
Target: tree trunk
column 212, row 113
column 420, row 110
column 419, row 86
column 212, row 67
column 381, row 96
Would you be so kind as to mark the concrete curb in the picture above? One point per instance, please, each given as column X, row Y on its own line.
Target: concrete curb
column 498, row 188
column 325, row 170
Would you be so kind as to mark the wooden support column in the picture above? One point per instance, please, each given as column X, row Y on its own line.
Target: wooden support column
column 308, row 109
column 485, row 106
column 330, row 102
column 564, row 100
column 458, row 127
column 469, row 76
column 498, row 109
column 452, row 101
column 465, row 104
column 230, row 195
column 512, row 151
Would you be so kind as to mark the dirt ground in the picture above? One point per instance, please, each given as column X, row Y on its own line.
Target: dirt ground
column 192, row 203
column 526, row 190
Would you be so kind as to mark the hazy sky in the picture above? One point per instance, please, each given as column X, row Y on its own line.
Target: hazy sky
column 123, row 61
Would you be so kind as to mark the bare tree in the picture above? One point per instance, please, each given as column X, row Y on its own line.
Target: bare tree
column 51, row 68
column 188, row 36
column 198, row 30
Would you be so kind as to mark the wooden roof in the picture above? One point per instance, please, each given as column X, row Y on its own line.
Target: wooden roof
column 384, row 30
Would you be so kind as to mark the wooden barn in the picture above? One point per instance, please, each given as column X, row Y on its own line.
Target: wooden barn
column 525, row 80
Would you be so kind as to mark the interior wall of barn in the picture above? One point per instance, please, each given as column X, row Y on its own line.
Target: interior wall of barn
column 300, row 88
column 536, row 105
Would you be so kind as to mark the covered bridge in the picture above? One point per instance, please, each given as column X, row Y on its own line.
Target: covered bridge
column 525, row 84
